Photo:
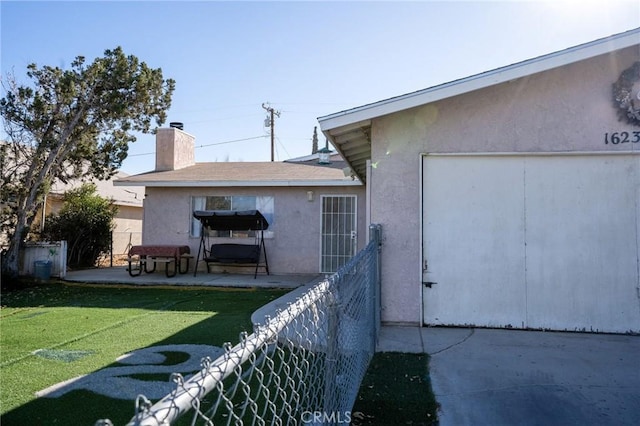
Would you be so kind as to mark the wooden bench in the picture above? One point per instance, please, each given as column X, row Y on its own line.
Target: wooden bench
column 188, row 258
column 140, row 263
column 234, row 255
column 146, row 257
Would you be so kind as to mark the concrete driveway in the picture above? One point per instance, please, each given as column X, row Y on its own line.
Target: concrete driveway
column 509, row 377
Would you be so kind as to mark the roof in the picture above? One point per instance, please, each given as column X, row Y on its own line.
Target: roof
column 132, row 196
column 243, row 174
column 350, row 130
column 335, row 157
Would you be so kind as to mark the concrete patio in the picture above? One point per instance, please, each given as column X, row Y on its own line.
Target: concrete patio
column 120, row 275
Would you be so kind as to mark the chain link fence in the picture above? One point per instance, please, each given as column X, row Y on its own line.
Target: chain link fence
column 302, row 367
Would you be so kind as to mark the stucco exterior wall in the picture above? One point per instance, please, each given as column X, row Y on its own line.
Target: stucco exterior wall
column 174, row 149
column 565, row 109
column 295, row 245
column 128, row 228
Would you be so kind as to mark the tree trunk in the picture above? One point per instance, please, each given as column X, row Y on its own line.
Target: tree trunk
column 11, row 260
column 28, row 204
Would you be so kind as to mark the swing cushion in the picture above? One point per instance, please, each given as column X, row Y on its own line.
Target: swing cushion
column 234, row 253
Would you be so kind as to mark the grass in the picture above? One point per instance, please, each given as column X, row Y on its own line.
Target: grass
column 396, row 391
column 53, row 332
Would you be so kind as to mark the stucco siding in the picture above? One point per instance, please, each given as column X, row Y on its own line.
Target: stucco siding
column 568, row 109
column 127, row 229
column 395, row 204
column 293, row 248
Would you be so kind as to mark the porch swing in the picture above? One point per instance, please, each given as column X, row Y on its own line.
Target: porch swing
column 231, row 254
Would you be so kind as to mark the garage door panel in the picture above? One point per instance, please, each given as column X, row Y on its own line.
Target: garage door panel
column 473, row 249
column 581, row 245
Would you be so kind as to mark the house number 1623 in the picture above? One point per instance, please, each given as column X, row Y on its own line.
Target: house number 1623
column 621, row 137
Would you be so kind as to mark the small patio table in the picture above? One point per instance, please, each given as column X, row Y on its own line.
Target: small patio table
column 164, row 253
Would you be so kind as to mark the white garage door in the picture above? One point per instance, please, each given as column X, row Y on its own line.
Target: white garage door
column 546, row 241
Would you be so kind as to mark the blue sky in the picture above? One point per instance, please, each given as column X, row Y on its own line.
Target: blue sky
column 307, row 59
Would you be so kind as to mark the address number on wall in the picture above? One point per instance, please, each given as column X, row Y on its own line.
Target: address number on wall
column 616, row 138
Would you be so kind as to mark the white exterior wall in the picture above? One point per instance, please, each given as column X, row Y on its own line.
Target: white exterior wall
column 295, row 246
column 563, row 110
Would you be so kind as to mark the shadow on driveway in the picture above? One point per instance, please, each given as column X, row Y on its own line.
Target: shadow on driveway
column 517, row 377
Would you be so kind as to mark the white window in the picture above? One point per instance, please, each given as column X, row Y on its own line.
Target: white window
column 264, row 204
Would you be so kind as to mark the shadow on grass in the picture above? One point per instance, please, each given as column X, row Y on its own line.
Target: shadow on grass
column 396, row 391
column 232, row 309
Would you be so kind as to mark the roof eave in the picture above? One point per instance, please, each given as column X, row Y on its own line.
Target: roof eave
column 479, row 81
column 335, row 126
column 230, row 184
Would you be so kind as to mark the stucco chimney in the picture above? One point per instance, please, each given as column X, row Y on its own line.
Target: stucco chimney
column 174, row 149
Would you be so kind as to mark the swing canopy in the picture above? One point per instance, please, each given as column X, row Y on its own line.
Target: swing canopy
column 229, row 220
column 232, row 254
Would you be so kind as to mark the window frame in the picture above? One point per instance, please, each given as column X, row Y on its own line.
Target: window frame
column 263, row 203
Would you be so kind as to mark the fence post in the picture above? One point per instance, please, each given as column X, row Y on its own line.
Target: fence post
column 331, row 388
column 111, row 249
column 62, row 258
column 375, row 234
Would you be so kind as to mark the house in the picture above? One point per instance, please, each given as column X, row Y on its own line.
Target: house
column 315, row 211
column 127, row 223
column 509, row 198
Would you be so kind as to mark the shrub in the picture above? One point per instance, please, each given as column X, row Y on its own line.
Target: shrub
column 85, row 221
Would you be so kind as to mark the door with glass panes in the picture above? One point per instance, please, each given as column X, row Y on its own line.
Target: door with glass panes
column 338, row 236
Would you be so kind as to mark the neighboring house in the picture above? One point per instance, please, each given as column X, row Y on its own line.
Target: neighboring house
column 509, row 198
column 315, row 211
column 127, row 229
column 128, row 221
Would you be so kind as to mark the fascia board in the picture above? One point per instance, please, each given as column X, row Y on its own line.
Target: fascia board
column 480, row 81
column 230, row 184
column 127, row 203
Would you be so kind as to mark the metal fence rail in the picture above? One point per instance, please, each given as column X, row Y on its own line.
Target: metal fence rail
column 304, row 366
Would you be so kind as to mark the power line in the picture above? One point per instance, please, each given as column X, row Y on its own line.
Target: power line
column 283, row 147
column 233, row 141
column 206, row 145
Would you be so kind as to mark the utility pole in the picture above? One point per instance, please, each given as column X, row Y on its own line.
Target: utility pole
column 271, row 121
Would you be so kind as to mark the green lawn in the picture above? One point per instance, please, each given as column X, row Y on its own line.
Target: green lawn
column 54, row 332
column 51, row 333
column 396, row 391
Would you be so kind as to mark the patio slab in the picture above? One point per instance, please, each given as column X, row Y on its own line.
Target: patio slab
column 120, row 275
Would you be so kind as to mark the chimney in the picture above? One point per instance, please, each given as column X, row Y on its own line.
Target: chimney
column 175, row 149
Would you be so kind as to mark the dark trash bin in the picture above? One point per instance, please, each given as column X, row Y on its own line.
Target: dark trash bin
column 43, row 269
